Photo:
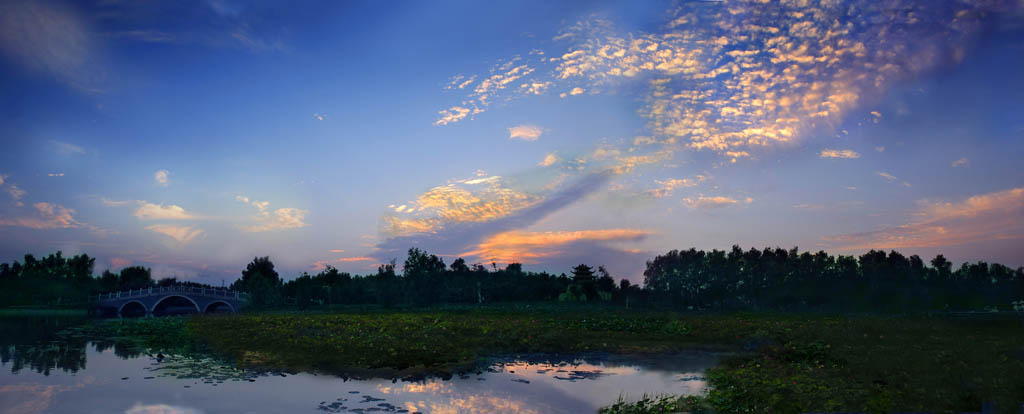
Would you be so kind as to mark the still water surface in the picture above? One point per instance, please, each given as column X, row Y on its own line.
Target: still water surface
column 42, row 376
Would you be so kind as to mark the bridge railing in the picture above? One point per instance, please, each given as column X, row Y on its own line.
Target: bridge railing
column 135, row 293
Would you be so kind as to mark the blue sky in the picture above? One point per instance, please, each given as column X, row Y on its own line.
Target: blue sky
column 192, row 136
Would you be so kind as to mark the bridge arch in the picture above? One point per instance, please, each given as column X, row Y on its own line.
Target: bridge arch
column 212, row 305
column 158, row 302
column 120, row 310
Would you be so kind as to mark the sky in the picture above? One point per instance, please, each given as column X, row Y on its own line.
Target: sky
column 192, row 136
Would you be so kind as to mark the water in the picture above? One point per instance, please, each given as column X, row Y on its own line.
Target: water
column 40, row 376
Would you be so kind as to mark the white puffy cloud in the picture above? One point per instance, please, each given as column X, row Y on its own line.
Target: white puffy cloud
column 162, row 177
column 273, row 220
column 150, row 211
column 525, row 132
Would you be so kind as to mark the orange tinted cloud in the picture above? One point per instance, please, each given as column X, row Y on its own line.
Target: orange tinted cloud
column 740, row 75
column 473, row 200
column 525, row 132
column 48, row 216
column 528, row 247
column 355, row 259
column 992, row 216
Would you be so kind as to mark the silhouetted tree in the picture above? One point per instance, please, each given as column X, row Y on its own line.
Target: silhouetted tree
column 583, row 279
column 135, row 277
column 261, row 282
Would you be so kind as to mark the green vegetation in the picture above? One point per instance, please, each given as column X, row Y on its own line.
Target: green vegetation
column 56, row 281
column 871, row 363
column 433, row 318
column 415, row 342
column 772, row 279
column 660, row 404
column 779, row 363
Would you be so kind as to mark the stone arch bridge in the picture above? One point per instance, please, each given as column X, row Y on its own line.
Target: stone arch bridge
column 169, row 300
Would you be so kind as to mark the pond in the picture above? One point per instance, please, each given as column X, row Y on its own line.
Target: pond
column 41, row 374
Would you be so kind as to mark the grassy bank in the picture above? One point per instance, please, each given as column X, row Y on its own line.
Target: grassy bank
column 410, row 343
column 872, row 364
column 791, row 363
column 41, row 311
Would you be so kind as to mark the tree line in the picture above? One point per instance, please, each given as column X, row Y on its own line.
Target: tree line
column 754, row 279
column 56, row 280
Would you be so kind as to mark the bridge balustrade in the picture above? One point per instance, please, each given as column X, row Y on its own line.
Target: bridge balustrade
column 124, row 294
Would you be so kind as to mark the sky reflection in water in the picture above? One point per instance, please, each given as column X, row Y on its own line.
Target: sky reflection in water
column 176, row 386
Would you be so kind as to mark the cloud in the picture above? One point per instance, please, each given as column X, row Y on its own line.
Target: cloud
column 986, row 217
column 960, row 162
column 457, row 219
column 273, row 220
column 880, row 148
column 525, row 132
column 739, row 76
column 355, row 259
column 118, row 262
column 845, row 154
column 891, row 178
column 702, row 202
column 549, row 160
column 453, row 114
column 14, row 191
column 55, row 174
column 162, row 177
column 65, row 148
column 536, row 88
column 481, row 95
column 261, row 205
column 886, row 176
column 223, row 24
column 50, row 39
column 477, row 199
column 530, row 247
column 48, row 216
column 666, row 187
column 337, row 250
column 32, row 398
column 828, row 206
column 319, row 117
column 280, row 219
column 140, row 408
column 182, row 234
column 117, row 203
column 150, row 211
